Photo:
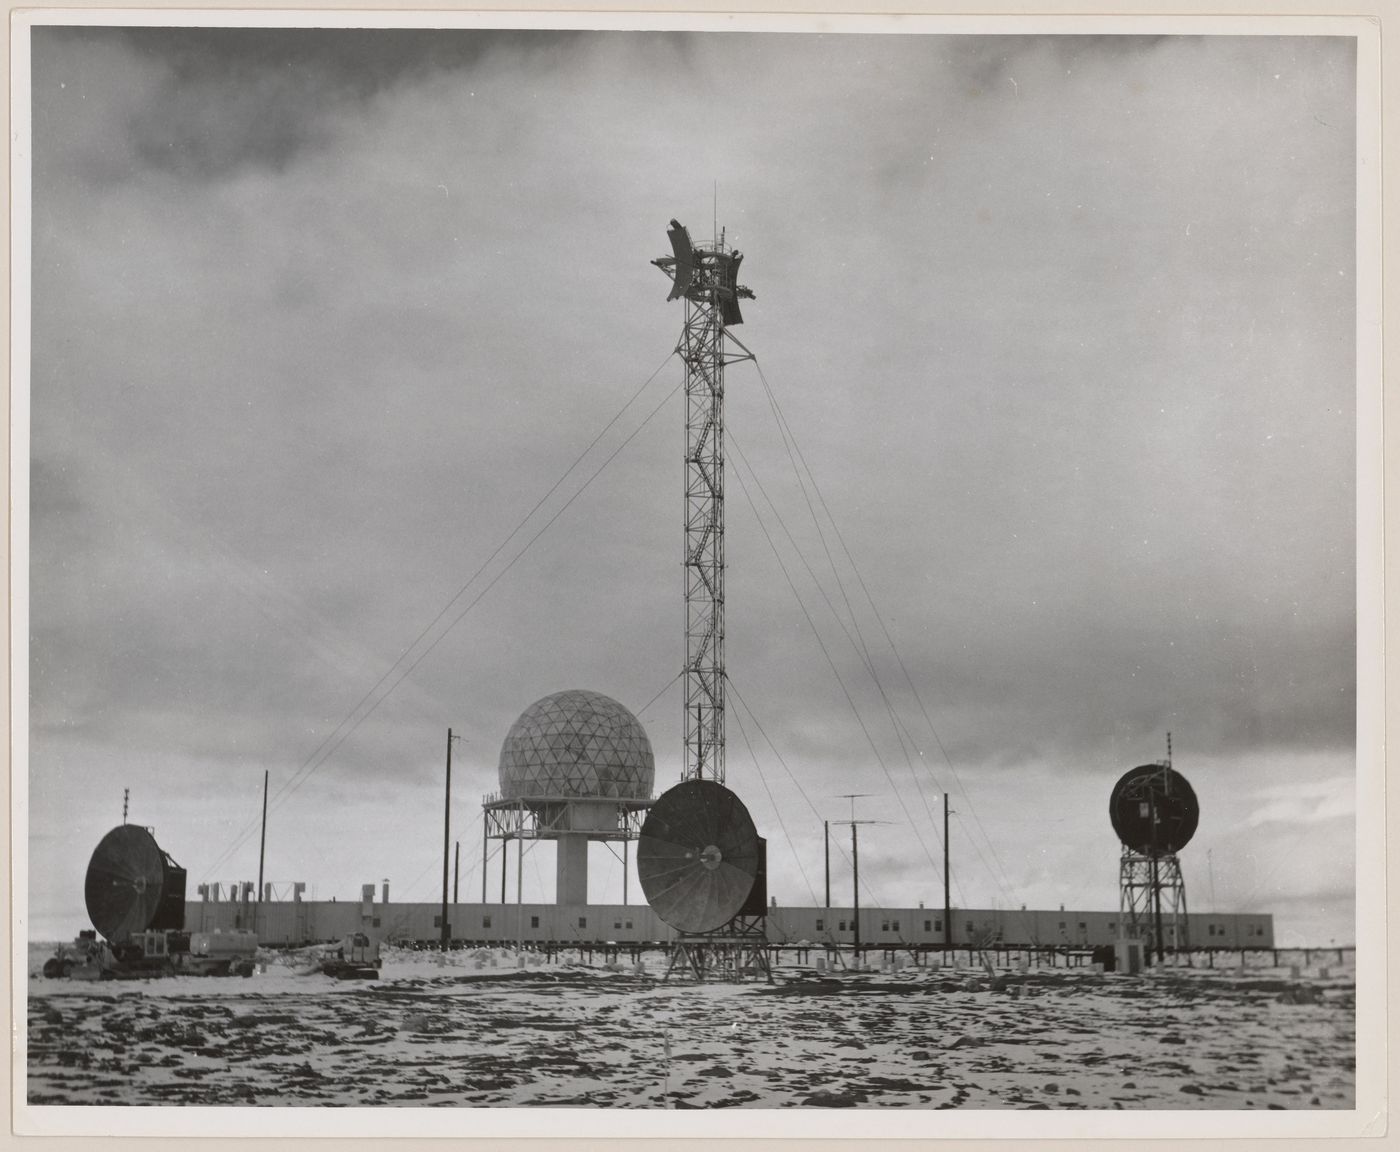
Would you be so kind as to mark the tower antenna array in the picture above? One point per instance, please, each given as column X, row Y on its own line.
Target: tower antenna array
column 702, row 864
column 707, row 279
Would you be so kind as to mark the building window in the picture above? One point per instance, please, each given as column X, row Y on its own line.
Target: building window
column 437, row 921
column 628, row 923
column 617, row 923
column 896, row 925
column 375, row 922
column 486, row 921
column 583, row 921
column 1062, row 925
column 841, row 926
column 884, row 925
column 928, row 925
column 1083, row 927
column 1112, row 924
column 820, row 925
column 970, row 928
column 938, row 925
column 534, row 921
column 1210, row 929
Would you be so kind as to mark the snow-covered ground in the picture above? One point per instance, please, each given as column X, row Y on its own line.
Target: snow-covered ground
column 475, row 1028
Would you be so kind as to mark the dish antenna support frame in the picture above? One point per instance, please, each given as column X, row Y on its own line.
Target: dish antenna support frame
column 738, row 949
column 1152, row 901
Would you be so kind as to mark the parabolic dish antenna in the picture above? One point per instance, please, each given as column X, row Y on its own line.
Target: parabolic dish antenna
column 1153, row 809
column 127, row 879
column 698, row 856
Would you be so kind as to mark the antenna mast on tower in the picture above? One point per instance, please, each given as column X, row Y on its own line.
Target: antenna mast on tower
column 702, row 864
column 707, row 279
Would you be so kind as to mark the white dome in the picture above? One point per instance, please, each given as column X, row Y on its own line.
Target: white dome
column 576, row 743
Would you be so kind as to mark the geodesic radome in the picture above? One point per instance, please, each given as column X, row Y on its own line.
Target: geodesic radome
column 576, row 743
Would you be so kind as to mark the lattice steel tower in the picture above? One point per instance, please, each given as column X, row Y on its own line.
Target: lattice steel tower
column 706, row 277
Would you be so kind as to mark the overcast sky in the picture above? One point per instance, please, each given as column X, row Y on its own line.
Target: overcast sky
column 1064, row 328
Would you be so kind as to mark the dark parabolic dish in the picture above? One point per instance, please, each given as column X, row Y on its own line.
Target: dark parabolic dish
column 126, row 880
column 1154, row 810
column 697, row 856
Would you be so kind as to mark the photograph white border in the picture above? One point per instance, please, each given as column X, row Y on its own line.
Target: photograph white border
column 1369, row 1116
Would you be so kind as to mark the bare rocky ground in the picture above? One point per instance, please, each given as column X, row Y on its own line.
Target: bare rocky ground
column 468, row 1034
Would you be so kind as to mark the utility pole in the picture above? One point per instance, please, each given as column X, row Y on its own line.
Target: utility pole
column 1210, row 871
column 855, row 896
column 1156, row 881
column 262, row 841
column 855, row 883
column 826, row 843
column 947, row 887
column 485, row 846
column 855, row 870
column 456, row 869
column 446, row 842
column 262, row 849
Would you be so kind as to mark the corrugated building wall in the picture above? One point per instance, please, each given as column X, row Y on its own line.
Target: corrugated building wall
column 290, row 922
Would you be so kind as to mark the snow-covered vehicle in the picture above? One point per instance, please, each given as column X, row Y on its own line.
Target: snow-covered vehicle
column 357, row 958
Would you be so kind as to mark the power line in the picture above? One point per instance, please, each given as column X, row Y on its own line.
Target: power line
column 777, row 812
column 472, row 604
column 1003, row 880
column 836, row 672
column 791, row 776
column 330, row 744
column 857, row 642
column 669, row 683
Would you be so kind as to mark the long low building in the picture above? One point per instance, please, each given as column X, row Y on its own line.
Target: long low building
column 295, row 922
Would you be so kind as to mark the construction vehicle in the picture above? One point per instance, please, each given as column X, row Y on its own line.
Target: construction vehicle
column 155, row 952
column 357, row 958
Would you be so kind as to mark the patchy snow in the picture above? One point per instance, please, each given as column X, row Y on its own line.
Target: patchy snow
column 477, row 1028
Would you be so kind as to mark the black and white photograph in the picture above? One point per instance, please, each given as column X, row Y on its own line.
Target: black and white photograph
column 660, row 565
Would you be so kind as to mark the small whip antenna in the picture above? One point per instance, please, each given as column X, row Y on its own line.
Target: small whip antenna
column 126, row 795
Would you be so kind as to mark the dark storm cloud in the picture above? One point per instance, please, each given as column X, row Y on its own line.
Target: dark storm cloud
column 227, row 99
